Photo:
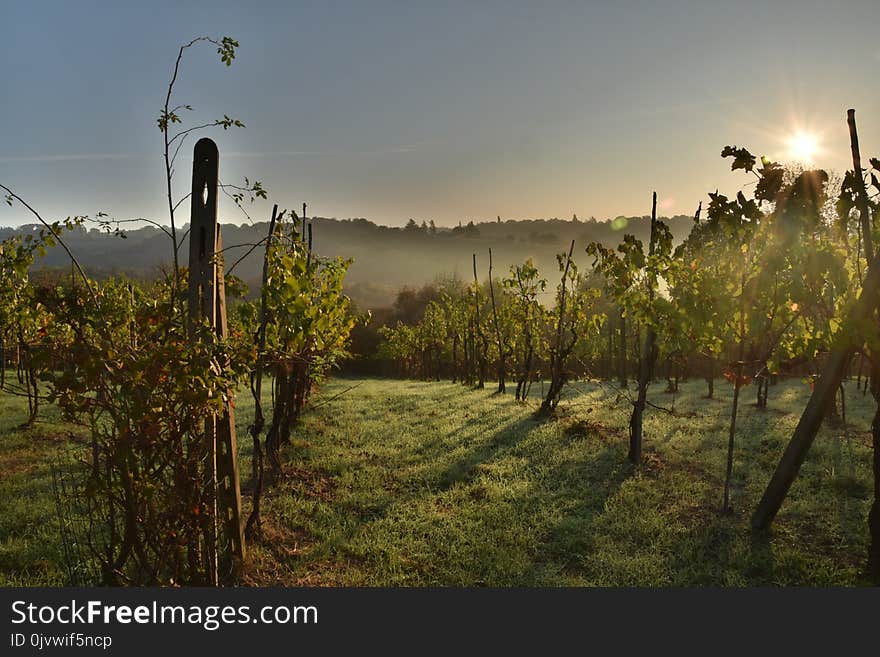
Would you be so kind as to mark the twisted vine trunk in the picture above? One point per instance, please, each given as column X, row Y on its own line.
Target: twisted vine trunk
column 280, row 416
column 610, row 355
column 28, row 378
column 710, row 379
column 455, row 340
column 646, row 371
column 253, row 525
column 736, row 387
column 646, row 362
column 558, row 352
column 526, row 372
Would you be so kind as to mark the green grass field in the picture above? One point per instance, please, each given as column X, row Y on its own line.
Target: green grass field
column 414, row 484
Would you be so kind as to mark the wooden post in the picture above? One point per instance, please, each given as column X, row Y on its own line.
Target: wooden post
column 479, row 329
column 201, row 301
column 203, row 233
column 502, row 365
column 207, row 300
column 226, row 457
column 622, row 370
column 862, row 201
column 132, row 333
column 646, row 360
column 303, row 234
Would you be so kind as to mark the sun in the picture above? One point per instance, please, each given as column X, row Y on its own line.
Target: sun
column 802, row 147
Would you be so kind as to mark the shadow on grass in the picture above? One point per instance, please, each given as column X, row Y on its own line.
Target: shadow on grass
column 466, row 469
column 465, row 489
column 488, row 515
column 723, row 550
column 581, row 487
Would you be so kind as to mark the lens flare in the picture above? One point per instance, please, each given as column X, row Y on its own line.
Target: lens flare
column 802, row 147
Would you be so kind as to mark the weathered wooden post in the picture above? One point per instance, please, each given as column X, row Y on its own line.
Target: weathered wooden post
column 646, row 362
column 303, row 234
column 207, row 300
column 502, row 365
column 226, row 458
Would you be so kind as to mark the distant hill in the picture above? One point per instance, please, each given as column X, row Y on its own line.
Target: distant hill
column 385, row 258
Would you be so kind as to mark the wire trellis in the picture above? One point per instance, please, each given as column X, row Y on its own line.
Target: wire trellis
column 74, row 515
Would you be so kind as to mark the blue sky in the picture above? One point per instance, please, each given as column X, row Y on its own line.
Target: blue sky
column 435, row 110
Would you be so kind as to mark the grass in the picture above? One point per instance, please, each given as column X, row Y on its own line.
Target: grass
column 31, row 552
column 404, row 483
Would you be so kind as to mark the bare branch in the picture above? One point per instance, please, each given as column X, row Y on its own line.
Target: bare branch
column 118, row 222
column 249, row 251
column 184, row 133
column 336, row 396
column 182, row 238
column 177, row 205
column 57, row 237
column 176, row 151
column 235, row 200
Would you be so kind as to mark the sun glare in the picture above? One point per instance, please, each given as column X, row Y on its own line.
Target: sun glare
column 802, row 147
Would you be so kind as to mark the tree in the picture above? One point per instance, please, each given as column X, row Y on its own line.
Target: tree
column 571, row 320
column 22, row 318
column 526, row 313
column 858, row 327
column 500, row 334
column 480, row 341
column 767, row 251
column 631, row 280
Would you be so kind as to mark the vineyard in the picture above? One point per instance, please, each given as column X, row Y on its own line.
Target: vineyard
column 441, row 485
column 696, row 411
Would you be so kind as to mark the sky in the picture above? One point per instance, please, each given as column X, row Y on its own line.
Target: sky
column 447, row 111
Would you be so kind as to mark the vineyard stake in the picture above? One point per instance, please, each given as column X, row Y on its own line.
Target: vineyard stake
column 646, row 364
column 207, row 300
column 502, row 365
column 479, row 329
